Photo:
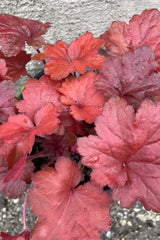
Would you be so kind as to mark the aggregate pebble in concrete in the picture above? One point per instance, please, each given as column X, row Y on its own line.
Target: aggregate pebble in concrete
column 11, row 215
column 133, row 224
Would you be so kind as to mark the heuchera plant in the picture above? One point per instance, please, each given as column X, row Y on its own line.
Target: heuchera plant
column 90, row 123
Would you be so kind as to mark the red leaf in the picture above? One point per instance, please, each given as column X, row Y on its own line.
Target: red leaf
column 142, row 30
column 15, row 31
column 35, row 100
column 58, row 145
column 133, row 77
column 16, row 66
column 77, row 56
column 22, row 236
column 46, row 120
column 16, row 139
column 16, row 135
column 84, row 100
column 3, row 68
column 17, row 179
column 116, row 38
column 65, row 211
column 125, row 154
column 68, row 122
column 7, row 104
column 17, row 170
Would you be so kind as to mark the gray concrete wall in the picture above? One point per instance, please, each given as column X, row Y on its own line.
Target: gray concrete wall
column 71, row 18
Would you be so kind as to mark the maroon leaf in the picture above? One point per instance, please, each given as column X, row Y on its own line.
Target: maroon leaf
column 133, row 77
column 15, row 31
column 22, row 236
column 16, row 66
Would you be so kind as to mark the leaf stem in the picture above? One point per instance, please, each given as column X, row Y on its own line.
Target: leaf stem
column 24, row 212
column 37, row 155
column 29, row 75
column 42, row 60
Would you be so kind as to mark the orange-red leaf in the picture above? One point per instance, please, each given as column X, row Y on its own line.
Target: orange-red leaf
column 84, row 100
column 77, row 56
column 116, row 38
column 17, row 136
column 17, row 170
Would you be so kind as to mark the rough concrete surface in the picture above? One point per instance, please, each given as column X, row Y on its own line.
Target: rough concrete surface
column 71, row 18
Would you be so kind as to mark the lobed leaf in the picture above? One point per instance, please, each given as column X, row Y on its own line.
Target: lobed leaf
column 142, row 30
column 18, row 134
column 65, row 211
column 17, row 137
column 34, row 100
column 16, row 66
column 15, row 31
column 81, row 95
column 125, row 153
column 133, row 77
column 80, row 54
